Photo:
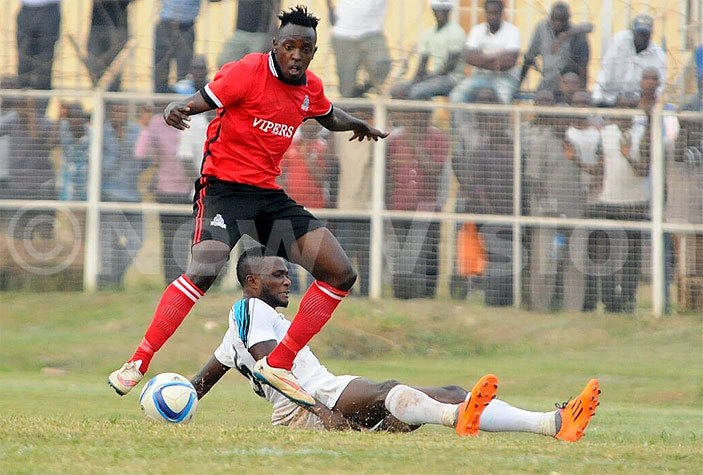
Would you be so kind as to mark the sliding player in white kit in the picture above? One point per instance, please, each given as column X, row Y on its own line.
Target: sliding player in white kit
column 351, row 402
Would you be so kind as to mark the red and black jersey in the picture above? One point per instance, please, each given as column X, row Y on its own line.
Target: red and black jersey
column 257, row 115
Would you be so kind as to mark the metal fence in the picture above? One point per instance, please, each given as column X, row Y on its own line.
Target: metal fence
column 482, row 196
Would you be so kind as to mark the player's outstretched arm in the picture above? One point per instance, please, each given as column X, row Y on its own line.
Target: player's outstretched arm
column 340, row 121
column 177, row 113
column 208, row 376
column 331, row 419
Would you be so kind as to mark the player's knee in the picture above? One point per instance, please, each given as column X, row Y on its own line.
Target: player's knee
column 455, row 392
column 205, row 266
column 383, row 388
column 346, row 278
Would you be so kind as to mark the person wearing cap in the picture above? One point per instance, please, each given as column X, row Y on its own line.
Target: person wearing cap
column 630, row 52
column 441, row 48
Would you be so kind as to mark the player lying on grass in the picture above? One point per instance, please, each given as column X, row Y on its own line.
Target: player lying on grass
column 351, row 402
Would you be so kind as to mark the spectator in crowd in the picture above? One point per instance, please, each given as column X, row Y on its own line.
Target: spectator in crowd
column 109, row 30
column 355, row 160
column 7, row 107
column 629, row 53
column 624, row 196
column 670, row 129
column 32, row 137
column 38, row 25
column 569, row 84
column 121, row 231
column 196, row 79
column 358, row 42
column 256, row 22
column 485, row 175
column 492, row 48
column 417, row 153
column 582, row 146
column 562, row 46
column 192, row 139
column 306, row 171
column 684, row 198
column 554, row 188
column 696, row 103
column 74, row 137
column 173, row 39
column 158, row 143
column 443, row 47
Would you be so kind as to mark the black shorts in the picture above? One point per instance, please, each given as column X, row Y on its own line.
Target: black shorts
column 225, row 210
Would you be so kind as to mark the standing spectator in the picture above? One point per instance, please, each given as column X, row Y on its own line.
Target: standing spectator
column 158, row 143
column 121, row 231
column 417, row 153
column 173, row 39
column 196, row 79
column 32, row 137
column 74, row 137
column 38, row 25
column 7, row 107
column 684, row 199
column 485, row 175
column 192, row 140
column 256, row 22
column 358, row 41
column 625, row 196
column 629, row 53
column 562, row 46
column 306, row 168
column 554, row 188
column 443, row 46
column 109, row 30
column 355, row 161
column 492, row 48
column 582, row 146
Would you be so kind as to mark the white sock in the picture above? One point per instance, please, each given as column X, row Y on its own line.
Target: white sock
column 415, row 407
column 500, row 416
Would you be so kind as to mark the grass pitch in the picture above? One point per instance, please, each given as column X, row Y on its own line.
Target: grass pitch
column 59, row 415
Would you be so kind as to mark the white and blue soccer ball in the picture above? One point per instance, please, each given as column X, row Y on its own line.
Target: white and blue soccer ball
column 169, row 397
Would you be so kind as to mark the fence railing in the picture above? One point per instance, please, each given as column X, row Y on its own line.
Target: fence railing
column 387, row 219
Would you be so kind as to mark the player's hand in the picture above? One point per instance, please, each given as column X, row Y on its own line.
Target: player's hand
column 176, row 114
column 365, row 131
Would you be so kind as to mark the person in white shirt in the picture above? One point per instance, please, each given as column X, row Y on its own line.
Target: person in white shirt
column 629, row 53
column 359, row 43
column 441, row 48
column 492, row 48
column 351, row 402
column 624, row 195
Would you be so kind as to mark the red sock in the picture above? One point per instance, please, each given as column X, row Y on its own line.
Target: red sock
column 175, row 303
column 315, row 310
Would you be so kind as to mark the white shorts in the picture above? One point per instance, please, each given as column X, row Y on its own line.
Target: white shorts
column 292, row 415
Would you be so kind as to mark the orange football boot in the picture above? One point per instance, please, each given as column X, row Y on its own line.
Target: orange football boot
column 577, row 413
column 469, row 412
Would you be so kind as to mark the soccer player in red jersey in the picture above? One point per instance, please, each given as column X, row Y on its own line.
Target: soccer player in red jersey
column 260, row 100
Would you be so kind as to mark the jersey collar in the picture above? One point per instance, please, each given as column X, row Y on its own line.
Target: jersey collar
column 276, row 71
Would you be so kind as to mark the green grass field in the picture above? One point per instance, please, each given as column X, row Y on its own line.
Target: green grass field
column 59, row 415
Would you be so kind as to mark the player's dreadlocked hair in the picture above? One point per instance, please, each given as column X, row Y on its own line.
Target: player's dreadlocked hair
column 298, row 15
column 244, row 263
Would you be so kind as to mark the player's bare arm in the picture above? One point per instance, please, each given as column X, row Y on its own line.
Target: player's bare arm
column 208, row 376
column 340, row 121
column 177, row 113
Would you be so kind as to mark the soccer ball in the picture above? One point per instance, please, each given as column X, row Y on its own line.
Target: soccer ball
column 169, row 397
